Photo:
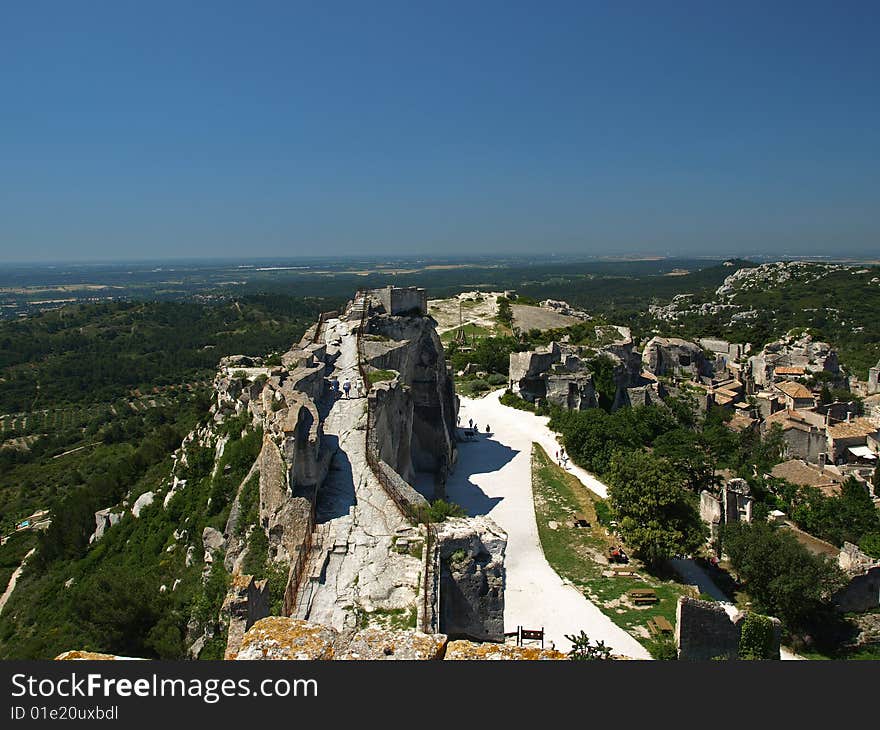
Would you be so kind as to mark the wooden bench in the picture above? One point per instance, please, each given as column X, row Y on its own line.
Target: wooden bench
column 659, row 625
column 643, row 596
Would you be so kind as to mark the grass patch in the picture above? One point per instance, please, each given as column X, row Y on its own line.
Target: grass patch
column 576, row 552
column 471, row 332
column 390, row 618
column 379, row 376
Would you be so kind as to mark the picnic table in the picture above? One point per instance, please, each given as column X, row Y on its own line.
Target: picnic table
column 624, row 570
column 660, row 625
column 642, row 596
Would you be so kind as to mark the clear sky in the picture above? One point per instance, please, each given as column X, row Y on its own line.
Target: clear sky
column 154, row 129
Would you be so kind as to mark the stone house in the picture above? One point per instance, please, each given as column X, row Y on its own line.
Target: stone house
column 804, row 439
column 799, row 472
column 796, row 396
column 849, row 435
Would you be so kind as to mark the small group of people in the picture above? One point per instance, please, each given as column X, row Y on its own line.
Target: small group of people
column 473, row 426
column 346, row 388
column 562, row 458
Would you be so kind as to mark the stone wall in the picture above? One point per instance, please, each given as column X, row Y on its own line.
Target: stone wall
column 874, row 380
column 862, row 593
column 398, row 300
column 472, row 578
column 704, row 631
column 711, row 513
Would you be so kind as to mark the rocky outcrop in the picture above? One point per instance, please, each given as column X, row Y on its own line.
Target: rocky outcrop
column 792, row 352
column 213, row 539
column 285, row 638
column 104, row 519
column 676, row 358
column 471, row 651
column 246, row 603
column 472, row 578
column 145, row 500
column 562, row 374
column 553, row 374
column 278, row 638
column 388, row 644
column 425, row 416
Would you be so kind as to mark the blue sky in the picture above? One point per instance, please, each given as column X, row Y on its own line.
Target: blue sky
column 154, row 129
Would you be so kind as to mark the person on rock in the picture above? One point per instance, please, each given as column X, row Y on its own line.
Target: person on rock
column 346, row 387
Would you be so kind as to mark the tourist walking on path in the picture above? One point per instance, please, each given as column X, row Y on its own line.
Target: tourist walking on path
column 346, row 386
column 334, row 387
column 360, row 387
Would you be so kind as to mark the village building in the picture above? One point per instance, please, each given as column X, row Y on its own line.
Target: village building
column 796, row 396
column 848, row 441
column 802, row 474
column 804, row 439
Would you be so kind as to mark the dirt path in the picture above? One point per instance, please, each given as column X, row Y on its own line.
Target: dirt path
column 13, row 580
column 493, row 476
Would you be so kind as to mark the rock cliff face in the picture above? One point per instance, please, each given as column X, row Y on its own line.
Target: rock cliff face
column 555, row 374
column 418, row 411
column 246, row 603
column 675, row 357
column 334, row 495
column 562, row 374
column 472, row 578
column 813, row 357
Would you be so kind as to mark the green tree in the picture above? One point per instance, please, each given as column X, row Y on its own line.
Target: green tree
column 582, row 649
column 781, row 575
column 690, row 454
column 756, row 638
column 505, row 313
column 656, row 514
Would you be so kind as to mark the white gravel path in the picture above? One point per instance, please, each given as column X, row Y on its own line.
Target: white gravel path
column 13, row 579
column 493, row 477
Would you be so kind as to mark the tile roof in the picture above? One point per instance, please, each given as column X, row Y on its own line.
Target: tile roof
column 788, row 370
column 794, row 390
column 799, row 472
column 856, row 428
